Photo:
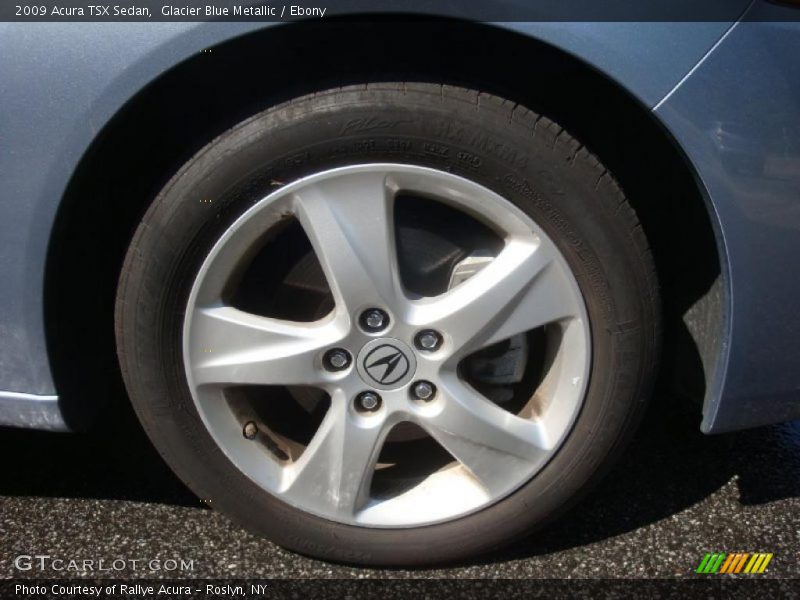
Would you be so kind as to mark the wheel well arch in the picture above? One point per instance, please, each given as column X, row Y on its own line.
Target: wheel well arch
column 175, row 115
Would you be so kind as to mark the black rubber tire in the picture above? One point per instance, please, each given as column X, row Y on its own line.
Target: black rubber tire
column 524, row 157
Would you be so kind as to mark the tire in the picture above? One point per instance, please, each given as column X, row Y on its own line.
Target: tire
column 523, row 158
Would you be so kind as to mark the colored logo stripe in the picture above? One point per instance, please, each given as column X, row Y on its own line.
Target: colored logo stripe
column 736, row 563
column 727, row 564
column 720, row 562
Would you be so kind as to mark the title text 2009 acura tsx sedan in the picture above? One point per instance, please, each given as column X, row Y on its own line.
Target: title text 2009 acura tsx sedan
column 397, row 291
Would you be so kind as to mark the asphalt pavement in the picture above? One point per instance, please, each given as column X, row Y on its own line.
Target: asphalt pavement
column 675, row 495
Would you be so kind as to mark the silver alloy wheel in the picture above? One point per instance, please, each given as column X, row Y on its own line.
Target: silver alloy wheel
column 347, row 214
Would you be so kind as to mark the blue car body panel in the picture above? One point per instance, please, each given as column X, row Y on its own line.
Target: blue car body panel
column 737, row 117
column 63, row 82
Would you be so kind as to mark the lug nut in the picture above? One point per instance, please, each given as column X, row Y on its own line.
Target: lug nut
column 337, row 359
column 250, row 430
column 374, row 320
column 368, row 401
column 428, row 340
column 423, row 390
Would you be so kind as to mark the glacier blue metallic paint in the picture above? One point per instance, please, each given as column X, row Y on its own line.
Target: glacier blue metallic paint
column 738, row 106
column 738, row 119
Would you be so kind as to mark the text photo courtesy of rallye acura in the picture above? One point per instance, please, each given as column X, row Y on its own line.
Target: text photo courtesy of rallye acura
column 400, row 303
column 70, row 590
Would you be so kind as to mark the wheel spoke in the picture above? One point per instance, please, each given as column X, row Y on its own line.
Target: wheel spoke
column 500, row 301
column 335, row 471
column 351, row 226
column 489, row 441
column 548, row 298
column 229, row 347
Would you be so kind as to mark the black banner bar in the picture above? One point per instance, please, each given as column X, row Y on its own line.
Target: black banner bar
column 415, row 589
column 473, row 10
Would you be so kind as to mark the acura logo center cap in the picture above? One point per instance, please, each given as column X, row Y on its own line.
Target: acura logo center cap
column 386, row 364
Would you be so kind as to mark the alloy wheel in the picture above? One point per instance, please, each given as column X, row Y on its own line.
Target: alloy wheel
column 385, row 355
